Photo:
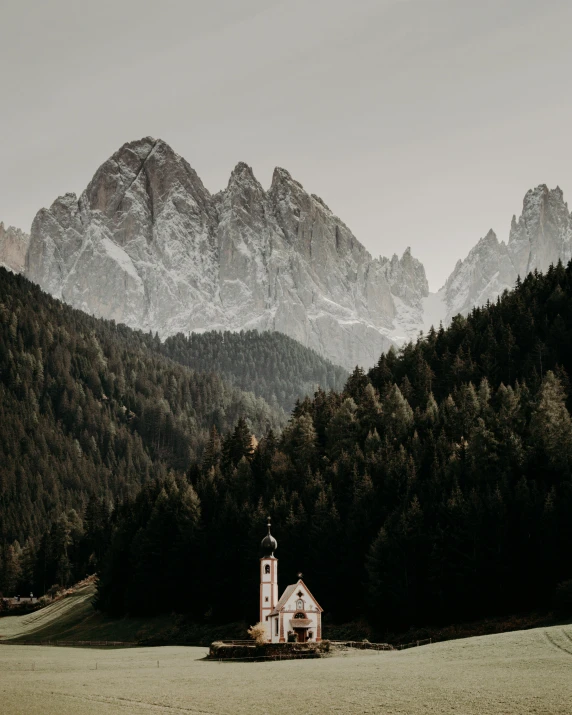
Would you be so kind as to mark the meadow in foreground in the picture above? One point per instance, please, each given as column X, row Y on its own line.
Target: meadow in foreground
column 525, row 671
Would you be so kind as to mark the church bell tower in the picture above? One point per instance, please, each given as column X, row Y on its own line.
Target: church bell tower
column 268, row 579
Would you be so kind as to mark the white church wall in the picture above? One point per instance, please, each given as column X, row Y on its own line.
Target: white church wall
column 310, row 608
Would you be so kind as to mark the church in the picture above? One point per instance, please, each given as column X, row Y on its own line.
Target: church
column 296, row 615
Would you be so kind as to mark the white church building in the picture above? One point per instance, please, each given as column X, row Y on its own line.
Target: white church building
column 296, row 613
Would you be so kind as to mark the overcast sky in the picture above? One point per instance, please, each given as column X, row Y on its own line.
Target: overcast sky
column 420, row 123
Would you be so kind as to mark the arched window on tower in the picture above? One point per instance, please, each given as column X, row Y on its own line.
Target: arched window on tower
column 267, row 568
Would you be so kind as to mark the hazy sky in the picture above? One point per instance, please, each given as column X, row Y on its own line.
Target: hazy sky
column 420, row 123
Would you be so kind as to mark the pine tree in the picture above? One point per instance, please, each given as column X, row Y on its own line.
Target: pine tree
column 551, row 424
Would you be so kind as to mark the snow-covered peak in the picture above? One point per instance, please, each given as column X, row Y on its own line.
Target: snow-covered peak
column 139, row 147
column 242, row 178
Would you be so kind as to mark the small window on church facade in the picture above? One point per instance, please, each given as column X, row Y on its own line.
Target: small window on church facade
column 267, row 568
column 266, row 599
column 276, row 627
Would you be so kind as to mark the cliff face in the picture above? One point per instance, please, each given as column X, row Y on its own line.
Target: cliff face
column 13, row 247
column 482, row 276
column 146, row 244
column 541, row 236
column 543, row 233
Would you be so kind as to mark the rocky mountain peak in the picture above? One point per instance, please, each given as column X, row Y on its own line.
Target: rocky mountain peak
column 543, row 233
column 140, row 148
column 406, row 276
column 540, row 236
column 489, row 238
column 242, row 170
column 147, row 244
column 242, row 177
column 282, row 176
column 13, row 248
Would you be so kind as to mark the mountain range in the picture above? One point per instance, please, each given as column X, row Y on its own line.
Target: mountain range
column 148, row 245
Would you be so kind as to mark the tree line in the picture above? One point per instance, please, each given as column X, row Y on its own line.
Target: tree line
column 269, row 364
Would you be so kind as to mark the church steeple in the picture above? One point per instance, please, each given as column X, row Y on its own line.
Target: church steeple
column 269, row 543
column 268, row 578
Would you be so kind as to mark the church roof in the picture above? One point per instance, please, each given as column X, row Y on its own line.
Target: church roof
column 284, row 597
column 288, row 592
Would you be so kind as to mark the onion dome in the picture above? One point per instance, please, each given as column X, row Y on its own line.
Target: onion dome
column 268, row 543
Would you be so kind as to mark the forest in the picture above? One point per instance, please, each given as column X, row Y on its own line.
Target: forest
column 435, row 488
column 269, row 364
column 90, row 410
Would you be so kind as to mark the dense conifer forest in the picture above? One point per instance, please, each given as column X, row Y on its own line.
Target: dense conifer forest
column 89, row 411
column 269, row 364
column 437, row 488
column 434, row 489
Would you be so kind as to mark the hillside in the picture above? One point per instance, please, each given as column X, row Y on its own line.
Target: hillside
column 53, row 621
column 518, row 338
column 271, row 365
column 73, row 618
column 89, row 414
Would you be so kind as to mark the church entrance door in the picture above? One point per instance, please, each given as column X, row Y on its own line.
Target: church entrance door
column 300, row 634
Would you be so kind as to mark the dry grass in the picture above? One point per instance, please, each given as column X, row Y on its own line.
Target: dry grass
column 521, row 672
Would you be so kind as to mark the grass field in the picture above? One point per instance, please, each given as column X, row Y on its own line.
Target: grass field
column 521, row 672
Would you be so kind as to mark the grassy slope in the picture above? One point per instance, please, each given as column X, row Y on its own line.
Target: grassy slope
column 520, row 672
column 73, row 618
